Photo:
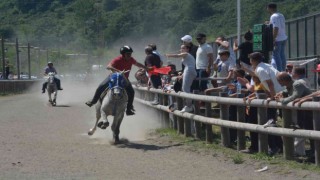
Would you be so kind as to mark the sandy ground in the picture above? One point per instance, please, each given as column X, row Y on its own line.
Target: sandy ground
column 38, row 141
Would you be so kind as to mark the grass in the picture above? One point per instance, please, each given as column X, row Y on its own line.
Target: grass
column 233, row 154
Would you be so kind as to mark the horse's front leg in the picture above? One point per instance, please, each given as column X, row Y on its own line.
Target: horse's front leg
column 98, row 116
column 117, row 120
column 49, row 95
column 104, row 123
column 55, row 96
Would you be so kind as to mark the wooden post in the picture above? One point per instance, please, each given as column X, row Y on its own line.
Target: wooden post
column 187, row 127
column 209, row 133
column 288, row 142
column 197, row 124
column 241, row 138
column 224, row 115
column 316, row 127
column 17, row 57
column 175, row 118
column 262, row 119
column 29, row 62
column 180, row 125
column 165, row 115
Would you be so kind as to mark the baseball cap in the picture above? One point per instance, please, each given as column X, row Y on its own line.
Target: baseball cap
column 186, row 38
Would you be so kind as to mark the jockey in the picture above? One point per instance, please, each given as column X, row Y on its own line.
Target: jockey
column 123, row 62
column 47, row 70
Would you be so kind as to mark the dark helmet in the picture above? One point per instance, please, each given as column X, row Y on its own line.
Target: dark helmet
column 50, row 63
column 125, row 49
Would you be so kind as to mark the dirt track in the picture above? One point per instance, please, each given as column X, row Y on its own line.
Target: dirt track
column 43, row 142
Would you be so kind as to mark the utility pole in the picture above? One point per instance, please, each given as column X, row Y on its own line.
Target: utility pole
column 4, row 76
column 18, row 60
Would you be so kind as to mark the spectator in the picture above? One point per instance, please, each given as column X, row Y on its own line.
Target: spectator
column 204, row 61
column 153, row 60
column 7, row 70
column 267, row 75
column 187, row 40
column 224, row 45
column 245, row 48
column 289, row 68
column 154, row 50
column 224, row 68
column 296, row 89
column 251, row 113
column 189, row 73
column 299, row 73
column 279, row 36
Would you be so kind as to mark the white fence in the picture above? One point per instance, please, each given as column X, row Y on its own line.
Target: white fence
column 181, row 121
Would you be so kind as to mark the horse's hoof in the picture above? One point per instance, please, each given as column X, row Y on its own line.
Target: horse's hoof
column 100, row 124
column 105, row 125
column 116, row 139
column 90, row 133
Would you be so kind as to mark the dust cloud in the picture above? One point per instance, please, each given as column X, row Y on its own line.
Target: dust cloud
column 76, row 93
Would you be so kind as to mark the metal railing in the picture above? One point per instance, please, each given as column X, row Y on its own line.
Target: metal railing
column 181, row 121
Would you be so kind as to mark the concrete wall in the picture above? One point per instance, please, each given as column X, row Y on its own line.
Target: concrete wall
column 16, row 86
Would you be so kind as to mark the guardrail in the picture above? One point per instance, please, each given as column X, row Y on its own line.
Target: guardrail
column 181, row 121
column 16, row 86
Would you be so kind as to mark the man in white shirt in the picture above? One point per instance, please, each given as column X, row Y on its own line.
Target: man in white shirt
column 268, row 77
column 204, row 60
column 279, row 36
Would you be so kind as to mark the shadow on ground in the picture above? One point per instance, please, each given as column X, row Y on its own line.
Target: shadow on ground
column 145, row 147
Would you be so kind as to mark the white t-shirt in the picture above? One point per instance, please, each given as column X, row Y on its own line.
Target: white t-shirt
column 265, row 72
column 202, row 56
column 278, row 20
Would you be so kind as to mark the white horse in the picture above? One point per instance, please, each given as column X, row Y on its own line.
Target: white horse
column 114, row 103
column 52, row 88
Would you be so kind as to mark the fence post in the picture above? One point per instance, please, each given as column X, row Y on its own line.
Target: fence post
column 180, row 119
column 165, row 115
column 197, row 124
column 262, row 119
column 209, row 133
column 187, row 127
column 241, row 138
column 174, row 118
column 288, row 142
column 316, row 127
column 224, row 115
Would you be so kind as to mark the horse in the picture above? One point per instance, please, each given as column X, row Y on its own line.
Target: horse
column 52, row 88
column 113, row 103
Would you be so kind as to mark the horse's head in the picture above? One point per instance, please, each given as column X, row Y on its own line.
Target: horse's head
column 51, row 77
column 117, row 84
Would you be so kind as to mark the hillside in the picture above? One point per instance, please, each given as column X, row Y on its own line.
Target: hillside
column 98, row 25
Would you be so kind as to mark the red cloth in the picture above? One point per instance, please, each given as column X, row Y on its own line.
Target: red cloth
column 121, row 64
column 162, row 70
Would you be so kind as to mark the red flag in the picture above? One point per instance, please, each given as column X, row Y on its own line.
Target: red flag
column 162, row 70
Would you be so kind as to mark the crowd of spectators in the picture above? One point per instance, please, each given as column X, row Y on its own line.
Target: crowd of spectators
column 248, row 75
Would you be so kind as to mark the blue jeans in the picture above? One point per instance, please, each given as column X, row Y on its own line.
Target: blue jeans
column 278, row 55
column 202, row 73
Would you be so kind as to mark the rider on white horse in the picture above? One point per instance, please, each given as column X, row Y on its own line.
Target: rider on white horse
column 123, row 62
column 47, row 70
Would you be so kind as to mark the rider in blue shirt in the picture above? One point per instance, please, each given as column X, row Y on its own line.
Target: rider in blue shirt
column 47, row 70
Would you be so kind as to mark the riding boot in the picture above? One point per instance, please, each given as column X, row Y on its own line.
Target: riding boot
column 44, row 85
column 58, row 83
column 130, row 93
column 97, row 94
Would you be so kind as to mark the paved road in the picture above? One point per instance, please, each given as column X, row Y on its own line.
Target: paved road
column 38, row 141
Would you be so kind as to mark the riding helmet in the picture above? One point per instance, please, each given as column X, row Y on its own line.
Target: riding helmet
column 125, row 49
